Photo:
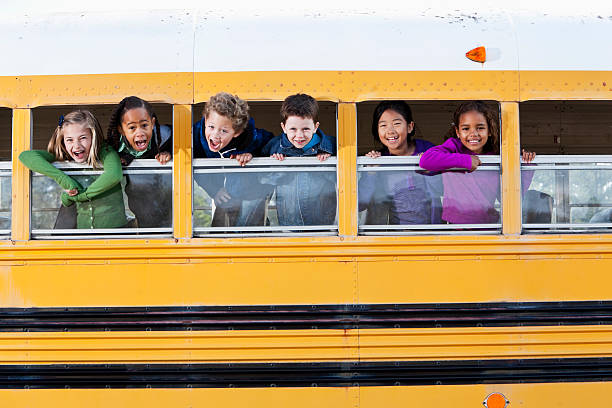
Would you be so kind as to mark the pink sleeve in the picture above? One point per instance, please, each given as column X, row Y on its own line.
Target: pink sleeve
column 444, row 157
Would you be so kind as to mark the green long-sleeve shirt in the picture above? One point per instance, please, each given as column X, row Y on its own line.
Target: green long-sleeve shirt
column 100, row 205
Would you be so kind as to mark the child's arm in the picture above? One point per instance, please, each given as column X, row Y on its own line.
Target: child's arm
column 110, row 178
column 40, row 162
column 445, row 156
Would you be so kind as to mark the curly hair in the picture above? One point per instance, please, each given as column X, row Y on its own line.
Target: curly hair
column 230, row 106
column 126, row 104
column 492, row 145
column 57, row 147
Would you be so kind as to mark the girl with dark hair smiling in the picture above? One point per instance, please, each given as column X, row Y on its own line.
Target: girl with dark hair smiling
column 409, row 197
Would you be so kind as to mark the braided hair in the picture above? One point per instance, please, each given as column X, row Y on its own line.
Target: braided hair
column 114, row 137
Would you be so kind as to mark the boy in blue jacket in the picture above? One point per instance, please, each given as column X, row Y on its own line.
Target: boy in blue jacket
column 303, row 198
column 226, row 131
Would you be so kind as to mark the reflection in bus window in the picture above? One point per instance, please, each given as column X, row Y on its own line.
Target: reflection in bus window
column 413, row 196
column 50, row 219
column 400, row 197
column 149, row 193
column 5, row 198
column 5, row 171
column 572, row 184
column 264, row 180
column 569, row 193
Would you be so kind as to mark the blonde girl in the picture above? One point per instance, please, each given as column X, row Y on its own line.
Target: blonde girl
column 98, row 199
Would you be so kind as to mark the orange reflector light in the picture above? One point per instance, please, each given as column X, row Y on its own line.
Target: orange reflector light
column 495, row 400
column 478, row 54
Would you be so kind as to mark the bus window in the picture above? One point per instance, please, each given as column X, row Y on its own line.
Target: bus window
column 295, row 196
column 571, row 189
column 6, row 115
column 396, row 196
column 140, row 204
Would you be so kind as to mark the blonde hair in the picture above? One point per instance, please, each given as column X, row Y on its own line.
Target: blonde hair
column 82, row 117
column 230, row 106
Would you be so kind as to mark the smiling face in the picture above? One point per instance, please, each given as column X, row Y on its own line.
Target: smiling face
column 299, row 130
column 219, row 131
column 393, row 132
column 137, row 127
column 77, row 140
column 473, row 131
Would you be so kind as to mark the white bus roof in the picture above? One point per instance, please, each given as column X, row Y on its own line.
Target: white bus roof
column 348, row 36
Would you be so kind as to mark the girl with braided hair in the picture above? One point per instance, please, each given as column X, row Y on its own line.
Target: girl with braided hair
column 135, row 132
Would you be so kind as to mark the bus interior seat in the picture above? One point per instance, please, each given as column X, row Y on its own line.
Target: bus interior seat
column 537, row 207
column 602, row 216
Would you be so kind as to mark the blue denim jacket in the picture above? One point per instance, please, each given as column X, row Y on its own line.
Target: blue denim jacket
column 303, row 198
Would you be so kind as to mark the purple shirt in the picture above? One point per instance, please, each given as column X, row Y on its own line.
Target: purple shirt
column 407, row 194
column 469, row 198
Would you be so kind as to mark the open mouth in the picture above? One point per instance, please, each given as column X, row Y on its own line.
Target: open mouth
column 214, row 145
column 474, row 142
column 140, row 144
column 79, row 155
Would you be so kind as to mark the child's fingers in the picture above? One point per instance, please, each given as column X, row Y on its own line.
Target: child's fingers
column 475, row 163
column 323, row 157
column 373, row 154
column 278, row 156
column 222, row 196
column 163, row 157
column 528, row 156
column 244, row 158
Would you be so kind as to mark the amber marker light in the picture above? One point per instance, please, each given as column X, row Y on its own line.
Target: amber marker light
column 495, row 400
column 478, row 54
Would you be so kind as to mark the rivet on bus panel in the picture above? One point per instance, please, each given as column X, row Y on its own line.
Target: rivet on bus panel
column 495, row 400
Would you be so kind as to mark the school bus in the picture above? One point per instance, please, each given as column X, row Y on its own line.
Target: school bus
column 354, row 314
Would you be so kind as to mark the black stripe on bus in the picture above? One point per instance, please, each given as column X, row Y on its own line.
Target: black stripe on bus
column 305, row 374
column 365, row 316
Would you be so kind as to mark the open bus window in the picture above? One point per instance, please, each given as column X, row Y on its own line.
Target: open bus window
column 140, row 204
column 396, row 196
column 5, row 171
column 297, row 195
column 571, row 186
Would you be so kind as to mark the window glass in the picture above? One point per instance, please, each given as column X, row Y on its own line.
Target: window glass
column 6, row 116
column 297, row 195
column 570, row 181
column 139, row 204
column 397, row 196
